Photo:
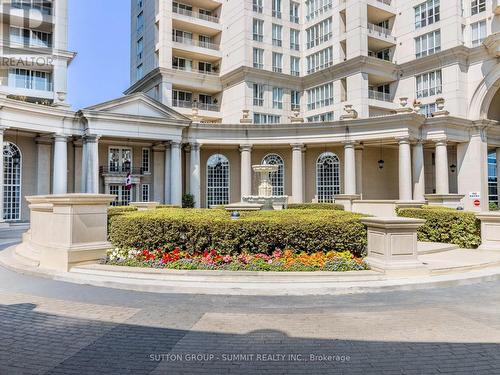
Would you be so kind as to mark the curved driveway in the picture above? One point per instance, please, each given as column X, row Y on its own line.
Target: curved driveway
column 51, row 327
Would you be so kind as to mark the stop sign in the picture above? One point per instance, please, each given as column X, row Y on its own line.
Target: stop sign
column 477, row 203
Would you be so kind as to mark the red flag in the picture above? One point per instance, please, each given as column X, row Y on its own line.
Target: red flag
column 128, row 182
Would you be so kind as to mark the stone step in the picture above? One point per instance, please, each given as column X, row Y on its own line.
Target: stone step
column 434, row 247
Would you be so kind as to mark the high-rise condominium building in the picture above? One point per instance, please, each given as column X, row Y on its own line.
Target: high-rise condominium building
column 280, row 59
column 34, row 50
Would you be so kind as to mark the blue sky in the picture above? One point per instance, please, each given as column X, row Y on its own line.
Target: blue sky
column 99, row 33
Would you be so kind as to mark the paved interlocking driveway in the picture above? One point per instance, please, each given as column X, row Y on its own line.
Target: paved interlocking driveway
column 50, row 327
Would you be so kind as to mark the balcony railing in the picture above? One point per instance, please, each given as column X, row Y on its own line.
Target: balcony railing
column 382, row 31
column 194, row 42
column 199, row 105
column 29, row 42
column 382, row 96
column 195, row 70
column 121, row 170
column 30, row 84
column 192, row 14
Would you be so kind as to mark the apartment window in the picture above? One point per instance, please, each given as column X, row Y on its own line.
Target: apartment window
column 140, row 48
column 277, row 62
column 44, row 6
column 276, row 8
column 257, row 6
column 146, row 159
column 218, row 178
column 314, row 8
column 258, row 30
column 205, row 41
column 478, row 33
column 30, row 79
column 428, row 109
column 120, row 159
column 139, row 71
column 328, row 116
column 294, row 39
column 427, row 13
column 384, row 54
column 258, row 58
column 182, row 8
column 28, row 37
column 277, row 98
column 294, row 66
column 277, row 35
column 181, row 36
column 140, row 23
column 320, row 96
column 182, row 99
column 320, row 60
column 205, row 67
column 145, row 192
column 264, row 118
column 477, row 6
column 182, row 63
column 319, row 33
column 428, row 44
column 429, row 84
column 258, row 94
column 295, row 100
column 294, row 12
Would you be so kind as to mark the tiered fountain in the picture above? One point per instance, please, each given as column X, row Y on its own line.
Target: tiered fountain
column 265, row 200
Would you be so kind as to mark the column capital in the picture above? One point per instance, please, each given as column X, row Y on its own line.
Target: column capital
column 441, row 142
column 91, row 138
column 60, row 137
column 175, row 144
column 246, row 148
column 298, row 146
column 403, row 140
column 195, row 146
column 359, row 146
column 167, row 145
column 187, row 147
column 43, row 141
column 3, row 129
column 349, row 144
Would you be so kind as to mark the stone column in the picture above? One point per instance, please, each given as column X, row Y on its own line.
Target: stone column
column 158, row 173
column 60, row 172
column 498, row 173
column 167, row 173
column 176, row 173
column 297, row 173
column 2, row 130
column 359, row 170
column 405, row 182
column 77, row 165
column 90, row 164
column 246, row 170
column 418, row 172
column 43, row 161
column 195, row 172
column 187, row 168
column 442, row 182
column 349, row 169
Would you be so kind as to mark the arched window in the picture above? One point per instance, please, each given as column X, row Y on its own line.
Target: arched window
column 217, row 180
column 327, row 177
column 278, row 177
column 12, row 162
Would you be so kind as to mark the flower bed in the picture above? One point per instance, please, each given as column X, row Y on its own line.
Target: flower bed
column 195, row 231
column 278, row 261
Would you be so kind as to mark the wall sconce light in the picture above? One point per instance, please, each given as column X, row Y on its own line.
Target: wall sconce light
column 453, row 168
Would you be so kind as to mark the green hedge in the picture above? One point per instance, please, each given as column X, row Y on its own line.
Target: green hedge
column 161, row 206
column 445, row 225
column 263, row 231
column 119, row 210
column 315, row 206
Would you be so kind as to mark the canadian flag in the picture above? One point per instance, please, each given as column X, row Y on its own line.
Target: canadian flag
column 128, row 182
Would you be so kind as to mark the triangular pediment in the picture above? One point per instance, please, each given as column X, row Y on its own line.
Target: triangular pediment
column 137, row 104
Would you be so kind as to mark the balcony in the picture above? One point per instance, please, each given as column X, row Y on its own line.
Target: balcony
column 195, row 43
column 191, row 70
column 192, row 104
column 381, row 96
column 116, row 170
column 379, row 37
column 196, row 15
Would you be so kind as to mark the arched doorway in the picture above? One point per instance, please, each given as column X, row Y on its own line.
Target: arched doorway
column 493, row 113
column 327, row 177
column 278, row 177
column 218, row 175
column 12, row 162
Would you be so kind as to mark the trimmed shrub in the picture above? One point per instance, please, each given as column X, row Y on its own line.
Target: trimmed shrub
column 446, row 225
column 188, row 201
column 315, row 206
column 119, row 210
column 161, row 206
column 255, row 232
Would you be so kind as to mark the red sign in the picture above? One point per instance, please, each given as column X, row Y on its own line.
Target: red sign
column 477, row 203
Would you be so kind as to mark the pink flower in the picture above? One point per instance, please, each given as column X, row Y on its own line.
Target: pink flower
column 227, row 259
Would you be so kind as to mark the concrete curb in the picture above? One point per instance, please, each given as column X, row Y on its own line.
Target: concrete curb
column 150, row 282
